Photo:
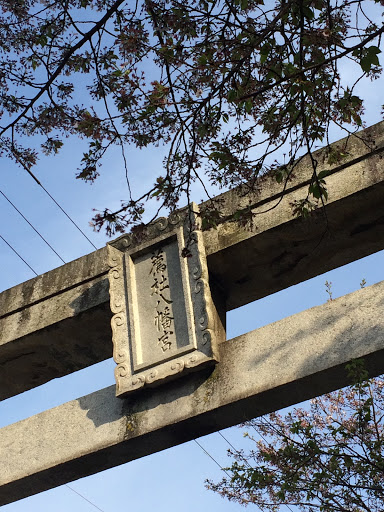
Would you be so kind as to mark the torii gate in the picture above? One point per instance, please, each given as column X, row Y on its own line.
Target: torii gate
column 59, row 322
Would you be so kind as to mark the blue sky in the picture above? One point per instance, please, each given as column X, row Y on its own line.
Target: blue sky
column 173, row 478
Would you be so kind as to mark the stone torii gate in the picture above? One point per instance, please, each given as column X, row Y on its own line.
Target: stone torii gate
column 59, row 322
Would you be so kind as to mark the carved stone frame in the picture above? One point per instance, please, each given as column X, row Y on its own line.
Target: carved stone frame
column 201, row 347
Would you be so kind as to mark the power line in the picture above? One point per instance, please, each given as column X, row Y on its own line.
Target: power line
column 53, row 199
column 84, row 498
column 66, row 214
column 211, row 457
column 245, row 460
column 265, row 440
column 231, row 445
column 36, row 231
column 14, row 250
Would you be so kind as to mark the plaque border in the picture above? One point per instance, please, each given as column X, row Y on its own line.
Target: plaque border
column 186, row 225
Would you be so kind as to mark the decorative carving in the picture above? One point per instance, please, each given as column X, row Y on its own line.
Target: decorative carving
column 163, row 314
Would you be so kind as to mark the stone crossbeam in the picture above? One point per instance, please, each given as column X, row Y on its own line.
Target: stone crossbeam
column 275, row 366
column 59, row 322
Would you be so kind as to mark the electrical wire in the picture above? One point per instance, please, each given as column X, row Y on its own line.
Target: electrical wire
column 265, row 440
column 14, row 250
column 54, row 200
column 211, row 457
column 66, row 214
column 29, row 266
column 234, row 449
column 231, row 445
column 36, row 231
column 84, row 498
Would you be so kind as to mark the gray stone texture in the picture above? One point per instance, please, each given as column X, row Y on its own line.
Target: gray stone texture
column 46, row 324
column 281, row 364
column 164, row 316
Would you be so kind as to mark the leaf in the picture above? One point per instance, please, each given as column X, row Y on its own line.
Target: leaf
column 232, row 95
column 248, row 106
column 264, row 52
column 308, row 87
column 370, row 58
column 318, row 190
column 308, row 13
column 322, row 175
column 215, row 155
column 43, row 40
column 374, row 50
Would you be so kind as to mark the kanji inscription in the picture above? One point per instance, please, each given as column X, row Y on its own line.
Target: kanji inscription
column 163, row 323
column 164, row 320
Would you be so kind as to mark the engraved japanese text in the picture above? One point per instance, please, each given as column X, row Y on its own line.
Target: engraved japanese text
column 160, row 289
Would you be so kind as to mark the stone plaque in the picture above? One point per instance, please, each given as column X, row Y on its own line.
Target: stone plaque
column 163, row 323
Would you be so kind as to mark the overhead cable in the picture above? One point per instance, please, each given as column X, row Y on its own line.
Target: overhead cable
column 14, row 250
column 25, row 167
column 36, row 231
column 211, row 457
column 233, row 448
column 84, row 498
column 66, row 214
column 244, row 459
column 265, row 440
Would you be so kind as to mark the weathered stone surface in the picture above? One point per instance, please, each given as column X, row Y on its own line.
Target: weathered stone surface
column 37, row 318
column 279, row 250
column 275, row 366
column 164, row 316
column 40, row 337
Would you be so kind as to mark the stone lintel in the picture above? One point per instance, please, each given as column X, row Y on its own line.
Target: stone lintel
column 275, row 366
column 54, row 324
column 278, row 250
column 59, row 322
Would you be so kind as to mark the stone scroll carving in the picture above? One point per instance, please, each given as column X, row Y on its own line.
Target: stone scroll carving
column 163, row 315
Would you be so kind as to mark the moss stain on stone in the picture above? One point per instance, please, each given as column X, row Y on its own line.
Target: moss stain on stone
column 130, row 425
column 208, row 389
